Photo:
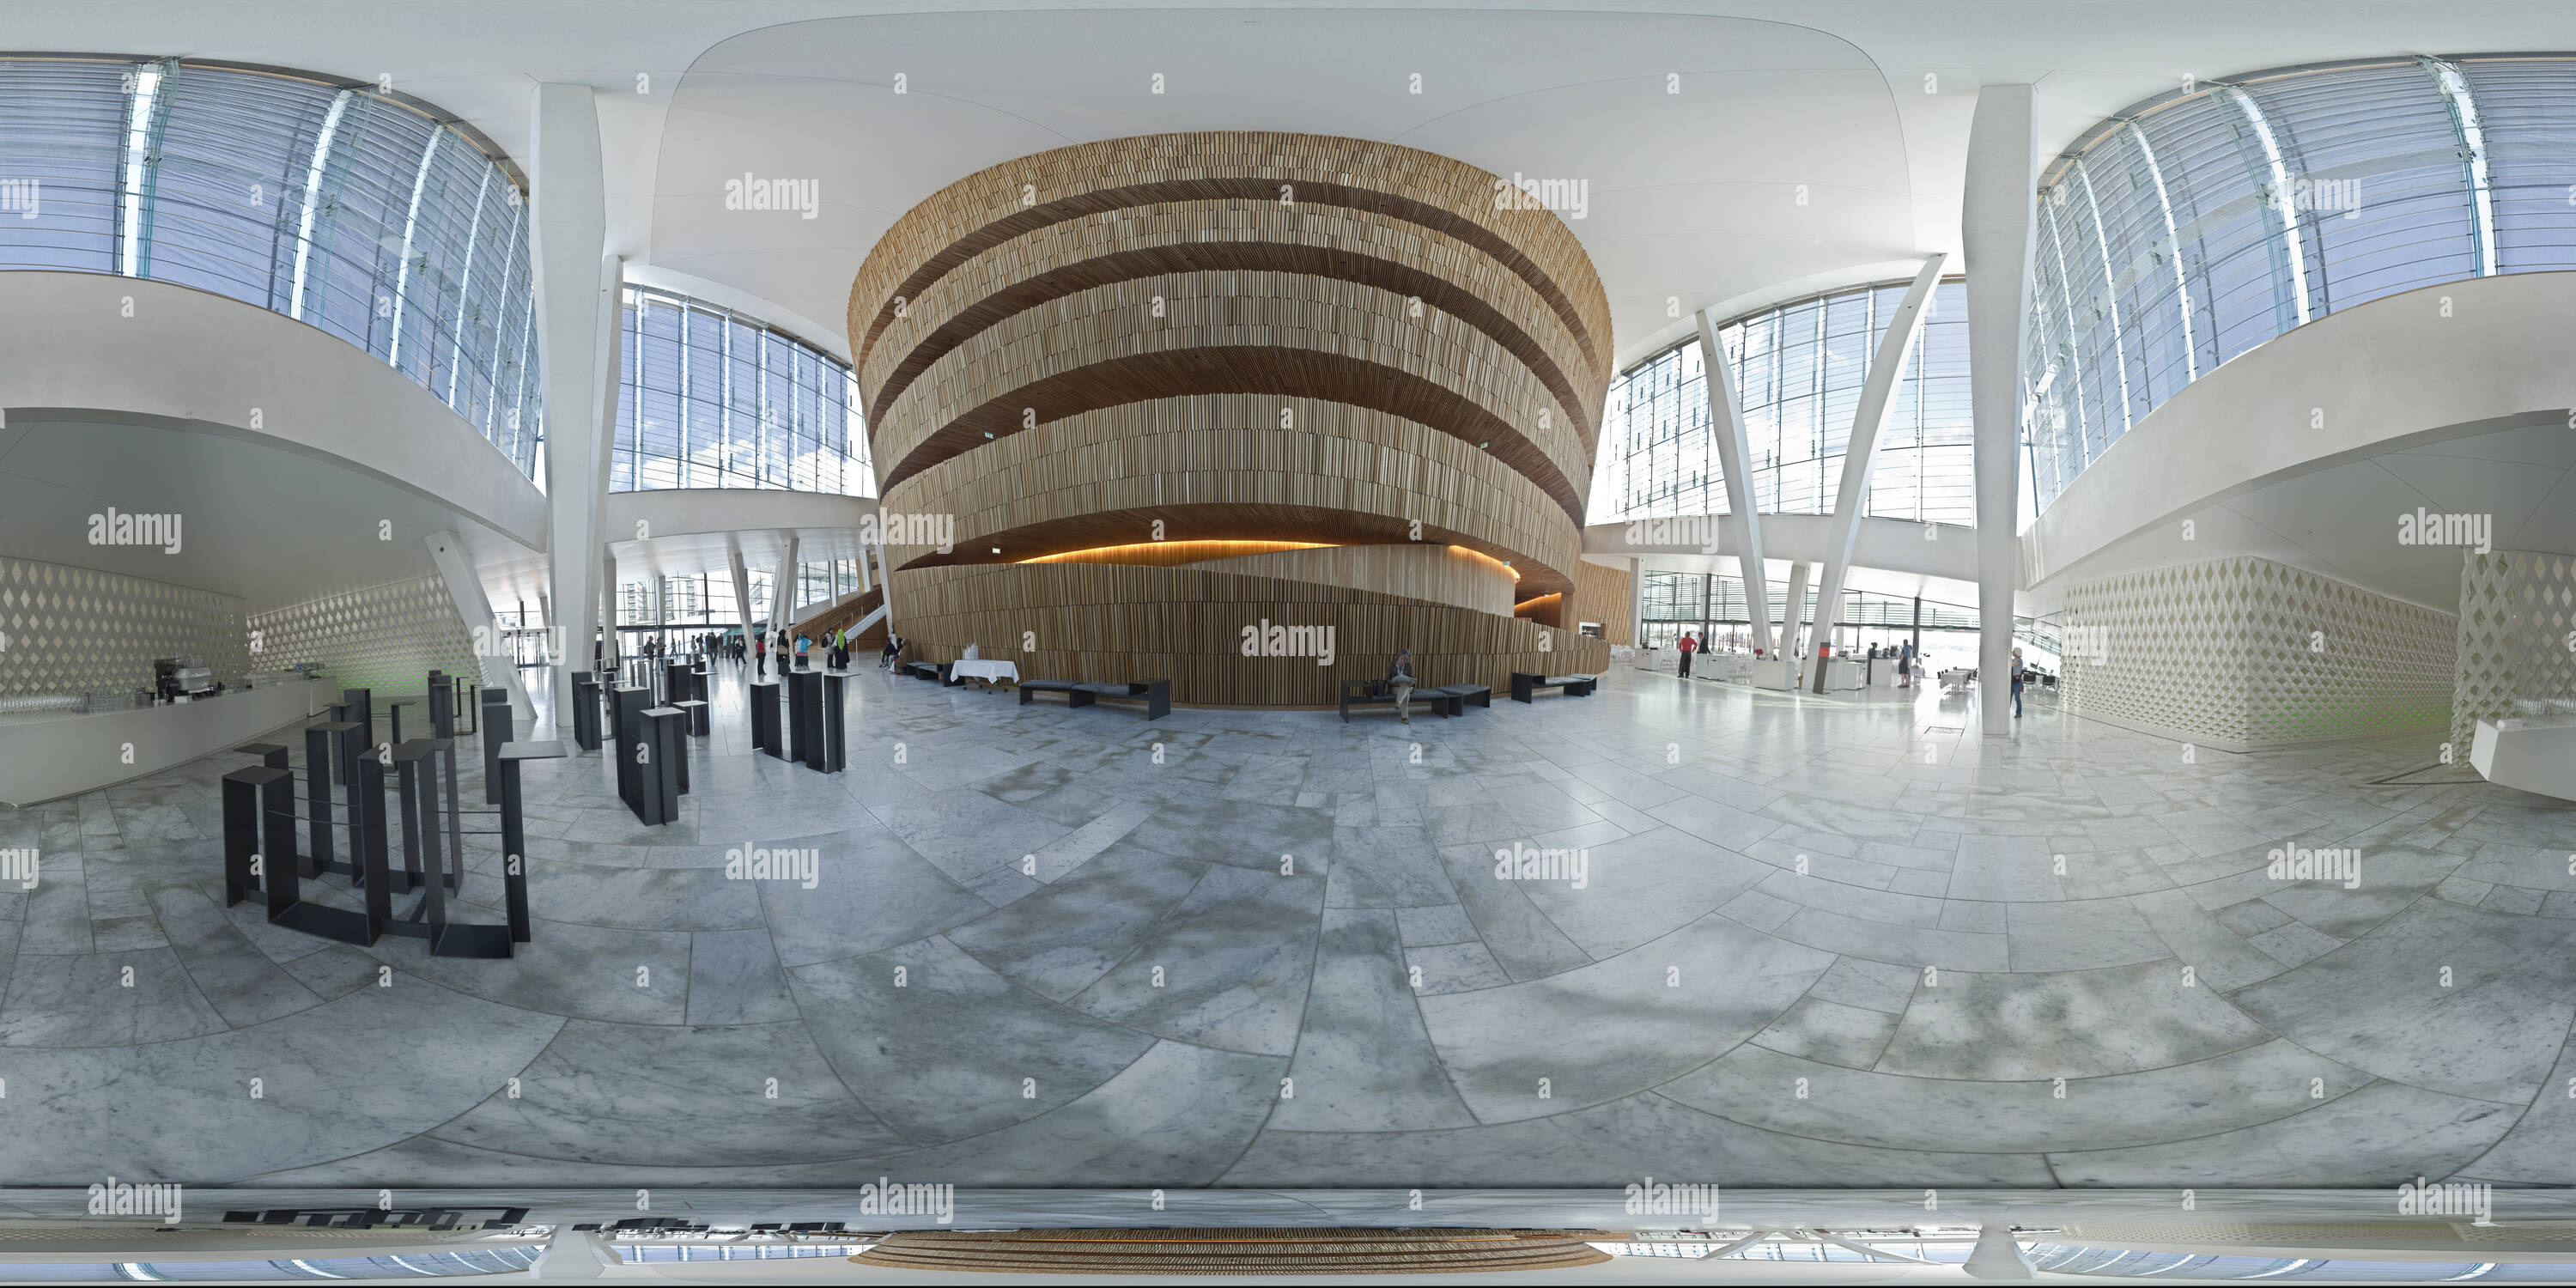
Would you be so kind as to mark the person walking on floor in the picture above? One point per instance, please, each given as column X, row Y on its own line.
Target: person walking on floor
column 1688, row 646
column 2016, row 683
column 1399, row 677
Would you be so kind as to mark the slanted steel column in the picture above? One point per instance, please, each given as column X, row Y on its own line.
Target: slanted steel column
column 1886, row 368
column 1726, row 425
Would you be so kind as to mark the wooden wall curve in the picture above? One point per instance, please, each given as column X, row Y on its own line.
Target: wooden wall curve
column 1236, row 336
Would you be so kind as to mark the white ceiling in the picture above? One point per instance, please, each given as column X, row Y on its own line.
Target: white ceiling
column 1866, row 102
column 2341, row 521
column 261, row 524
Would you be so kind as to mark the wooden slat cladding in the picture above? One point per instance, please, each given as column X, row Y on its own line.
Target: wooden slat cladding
column 1226, row 332
column 1444, row 195
column 1247, row 235
column 1601, row 595
column 1433, row 574
column 1219, row 466
column 1236, row 337
column 1110, row 623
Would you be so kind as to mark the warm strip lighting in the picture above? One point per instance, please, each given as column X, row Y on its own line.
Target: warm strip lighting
column 1479, row 554
column 1214, row 550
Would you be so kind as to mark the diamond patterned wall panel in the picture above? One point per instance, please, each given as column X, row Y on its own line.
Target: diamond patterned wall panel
column 2244, row 653
column 386, row 638
column 77, row 630
column 2517, row 621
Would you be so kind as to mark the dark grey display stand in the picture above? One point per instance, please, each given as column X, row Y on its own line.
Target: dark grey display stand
column 514, row 831
column 361, row 704
column 829, row 751
column 496, row 731
column 585, row 710
column 664, row 745
column 260, row 859
column 700, row 722
column 804, row 712
column 764, row 717
column 626, row 706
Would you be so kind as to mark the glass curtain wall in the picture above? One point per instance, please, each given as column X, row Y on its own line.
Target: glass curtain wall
column 1713, row 608
column 2203, row 222
column 716, row 399
column 369, row 216
column 1798, row 371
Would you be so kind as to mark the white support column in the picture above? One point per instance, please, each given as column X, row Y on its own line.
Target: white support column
column 1886, row 368
column 576, row 318
column 1792, row 615
column 1636, row 602
column 1996, row 214
column 782, row 589
column 741, row 592
column 1726, row 425
column 491, row 651
column 609, row 652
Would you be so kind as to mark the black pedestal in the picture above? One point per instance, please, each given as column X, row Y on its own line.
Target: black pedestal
column 626, row 706
column 496, row 730
column 362, row 712
column 804, row 704
column 830, row 749
column 663, row 744
column 700, row 725
column 764, row 716
column 442, row 706
column 259, row 855
column 514, row 831
column 585, row 710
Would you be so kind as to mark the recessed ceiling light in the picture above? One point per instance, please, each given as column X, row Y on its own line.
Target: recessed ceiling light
column 988, row 433
column 997, row 550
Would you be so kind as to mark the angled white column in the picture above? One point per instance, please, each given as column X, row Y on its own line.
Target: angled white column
column 1726, row 425
column 782, row 589
column 741, row 592
column 576, row 290
column 1886, row 368
column 1792, row 615
column 1997, row 1255
column 491, row 655
column 608, row 651
column 1996, row 214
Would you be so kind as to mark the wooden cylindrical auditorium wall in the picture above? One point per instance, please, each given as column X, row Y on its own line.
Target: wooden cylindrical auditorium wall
column 1290, row 339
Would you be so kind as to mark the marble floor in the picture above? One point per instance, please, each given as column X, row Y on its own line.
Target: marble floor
column 1813, row 943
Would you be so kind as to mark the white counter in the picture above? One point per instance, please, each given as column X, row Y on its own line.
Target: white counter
column 41, row 760
column 2540, row 756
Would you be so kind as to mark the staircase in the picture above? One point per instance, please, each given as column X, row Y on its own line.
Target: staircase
column 850, row 614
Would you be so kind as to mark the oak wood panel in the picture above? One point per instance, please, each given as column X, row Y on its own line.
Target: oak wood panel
column 1256, row 236
column 1006, row 200
column 1434, row 574
column 1112, row 623
column 1218, row 466
column 1601, row 595
column 1276, row 333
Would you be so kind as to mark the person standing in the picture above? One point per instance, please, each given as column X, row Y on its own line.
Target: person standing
column 1399, row 677
column 1688, row 646
column 1905, row 666
column 760, row 653
column 2016, row 683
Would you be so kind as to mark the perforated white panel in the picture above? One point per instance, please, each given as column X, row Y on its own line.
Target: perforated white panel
column 386, row 638
column 77, row 630
column 2250, row 653
column 2517, row 621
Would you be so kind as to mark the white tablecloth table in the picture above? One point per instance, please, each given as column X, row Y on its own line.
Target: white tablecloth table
column 986, row 669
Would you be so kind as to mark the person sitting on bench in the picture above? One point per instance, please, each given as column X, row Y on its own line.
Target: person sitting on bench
column 1399, row 679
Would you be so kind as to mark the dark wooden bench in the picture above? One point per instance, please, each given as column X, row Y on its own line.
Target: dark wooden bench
column 1525, row 685
column 1073, row 694
column 1155, row 694
column 928, row 671
column 1453, row 699
column 1365, row 693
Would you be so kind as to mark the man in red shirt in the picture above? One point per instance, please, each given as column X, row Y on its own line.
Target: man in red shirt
column 1688, row 646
